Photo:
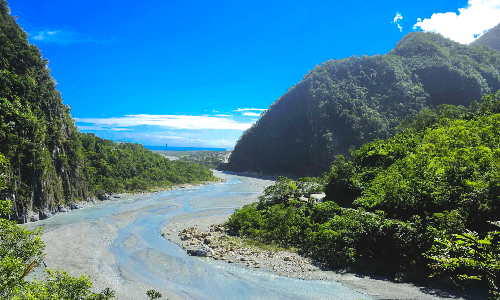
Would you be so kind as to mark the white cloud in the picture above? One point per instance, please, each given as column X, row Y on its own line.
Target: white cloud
column 172, row 121
column 397, row 18
column 250, row 109
column 60, row 37
column 464, row 27
column 251, row 114
column 91, row 128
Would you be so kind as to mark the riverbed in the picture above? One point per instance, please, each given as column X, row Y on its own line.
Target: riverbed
column 118, row 244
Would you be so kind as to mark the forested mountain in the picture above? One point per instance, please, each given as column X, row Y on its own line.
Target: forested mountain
column 490, row 38
column 348, row 102
column 426, row 198
column 50, row 162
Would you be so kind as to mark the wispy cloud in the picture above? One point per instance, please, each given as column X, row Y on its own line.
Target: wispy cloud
column 100, row 128
column 60, row 37
column 171, row 121
column 251, row 114
column 470, row 22
column 249, row 109
column 397, row 20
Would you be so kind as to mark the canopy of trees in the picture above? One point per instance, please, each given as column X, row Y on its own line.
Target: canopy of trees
column 434, row 184
column 490, row 38
column 349, row 102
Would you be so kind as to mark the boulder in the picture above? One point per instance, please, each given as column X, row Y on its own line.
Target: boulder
column 191, row 252
column 34, row 218
column 63, row 209
column 75, row 206
column 44, row 214
column 204, row 250
column 103, row 196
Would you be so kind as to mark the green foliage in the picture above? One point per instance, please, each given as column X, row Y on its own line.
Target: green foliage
column 210, row 159
column 446, row 159
column 118, row 167
column 20, row 251
column 468, row 256
column 152, row 294
column 491, row 38
column 61, row 285
column 437, row 178
column 51, row 163
column 349, row 102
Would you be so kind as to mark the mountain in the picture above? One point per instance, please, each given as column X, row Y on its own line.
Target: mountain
column 345, row 103
column 490, row 38
column 49, row 164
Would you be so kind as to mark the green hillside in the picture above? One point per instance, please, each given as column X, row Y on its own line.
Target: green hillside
column 50, row 162
column 490, row 38
column 399, row 198
column 348, row 102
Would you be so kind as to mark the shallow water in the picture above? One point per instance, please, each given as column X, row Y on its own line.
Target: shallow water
column 142, row 254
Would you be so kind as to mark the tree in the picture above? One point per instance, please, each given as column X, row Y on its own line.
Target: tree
column 467, row 256
column 21, row 250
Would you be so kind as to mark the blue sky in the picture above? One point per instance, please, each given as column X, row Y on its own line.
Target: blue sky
column 198, row 73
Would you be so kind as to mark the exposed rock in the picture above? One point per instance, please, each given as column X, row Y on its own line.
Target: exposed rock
column 63, row 209
column 75, row 206
column 103, row 196
column 191, row 252
column 44, row 214
column 34, row 218
column 204, row 250
column 116, row 197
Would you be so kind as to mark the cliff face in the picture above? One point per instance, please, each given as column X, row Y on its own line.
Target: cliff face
column 348, row 102
column 37, row 134
column 50, row 164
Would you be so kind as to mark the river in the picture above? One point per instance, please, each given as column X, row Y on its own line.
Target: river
column 118, row 244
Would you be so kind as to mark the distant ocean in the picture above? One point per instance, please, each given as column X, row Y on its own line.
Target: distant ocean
column 183, row 148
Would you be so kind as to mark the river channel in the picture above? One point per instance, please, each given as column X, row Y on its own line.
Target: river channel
column 118, row 244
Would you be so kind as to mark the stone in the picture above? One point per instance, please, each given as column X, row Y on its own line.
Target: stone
column 191, row 252
column 204, row 250
column 401, row 277
column 34, row 218
column 286, row 258
column 63, row 209
column 103, row 196
column 45, row 215
column 75, row 206
column 117, row 197
column 207, row 241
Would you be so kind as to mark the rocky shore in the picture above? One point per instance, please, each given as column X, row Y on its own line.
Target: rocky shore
column 37, row 215
column 216, row 244
column 212, row 242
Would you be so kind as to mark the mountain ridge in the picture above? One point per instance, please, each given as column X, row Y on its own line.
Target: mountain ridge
column 348, row 102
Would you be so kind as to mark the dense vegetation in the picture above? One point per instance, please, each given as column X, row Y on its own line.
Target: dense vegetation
column 390, row 203
column 490, row 38
column 209, row 159
column 349, row 102
column 21, row 251
column 51, row 163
